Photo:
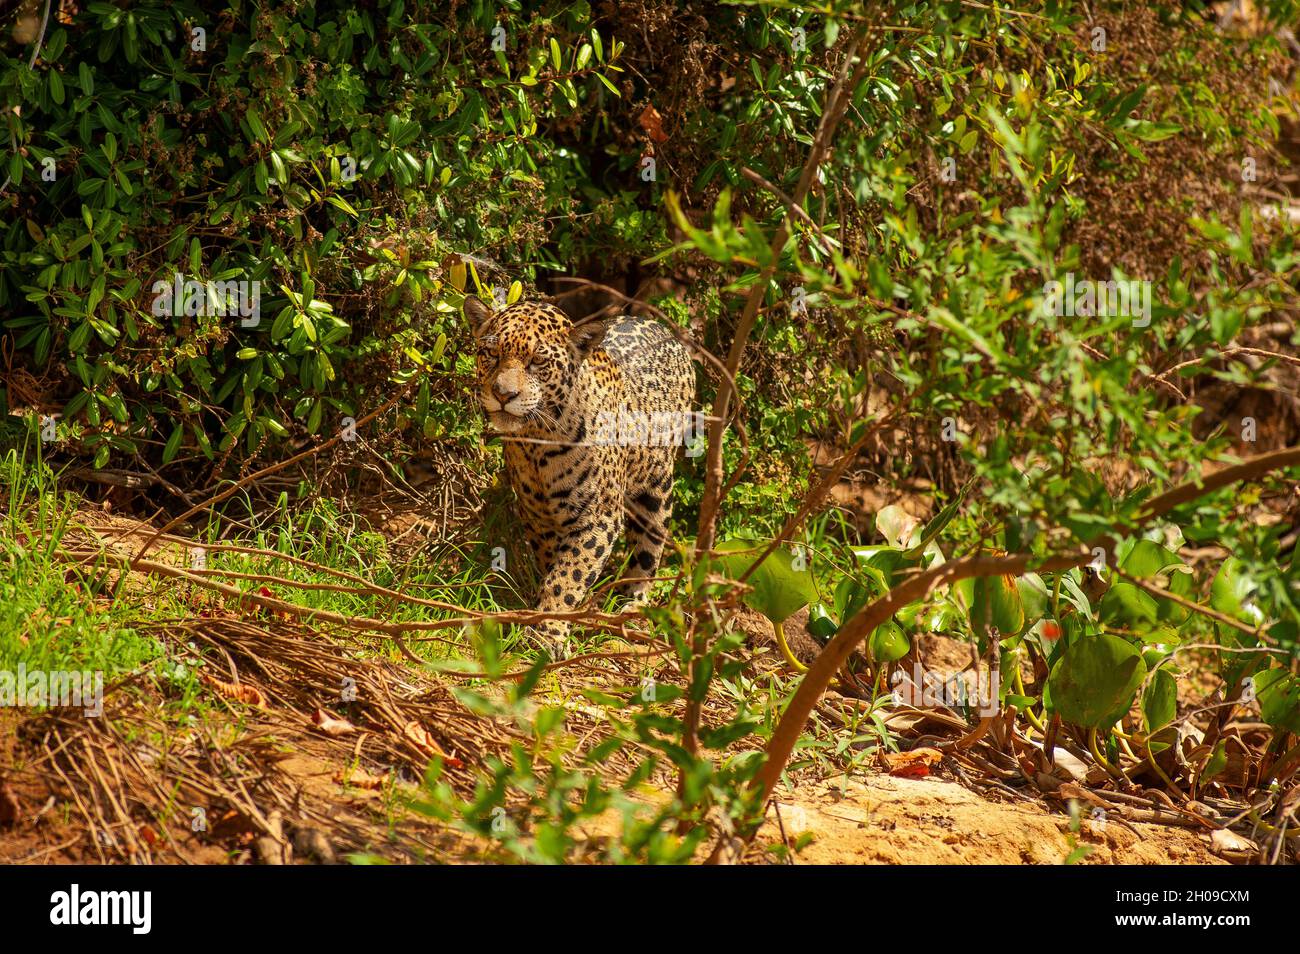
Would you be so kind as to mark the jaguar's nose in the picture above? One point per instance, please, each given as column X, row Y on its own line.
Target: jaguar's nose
column 503, row 393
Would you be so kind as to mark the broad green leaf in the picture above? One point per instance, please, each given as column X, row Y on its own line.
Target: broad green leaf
column 1160, row 701
column 880, row 564
column 1278, row 693
column 889, row 642
column 996, row 603
column 778, row 590
column 1231, row 589
column 1094, row 681
column 1147, row 558
column 1127, row 607
column 850, row 597
column 1180, row 583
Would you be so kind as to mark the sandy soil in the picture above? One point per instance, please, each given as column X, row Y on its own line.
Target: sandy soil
column 880, row 819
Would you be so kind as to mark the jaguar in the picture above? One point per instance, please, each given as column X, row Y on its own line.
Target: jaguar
column 591, row 415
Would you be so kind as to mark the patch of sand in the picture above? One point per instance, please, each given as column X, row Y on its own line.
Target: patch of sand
column 880, row 819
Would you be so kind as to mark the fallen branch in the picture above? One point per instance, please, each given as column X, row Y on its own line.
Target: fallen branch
column 612, row 621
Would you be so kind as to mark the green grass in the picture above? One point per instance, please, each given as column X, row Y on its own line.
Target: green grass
column 55, row 615
column 50, row 618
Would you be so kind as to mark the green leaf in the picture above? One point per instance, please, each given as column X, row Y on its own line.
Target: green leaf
column 889, row 642
column 1152, row 132
column 935, row 526
column 1181, row 583
column 1160, row 701
column 1278, row 693
column 821, row 625
column 1218, row 762
column 173, row 444
column 945, row 319
column 779, row 589
column 255, row 124
column 1094, row 681
column 1034, row 597
column 1147, row 558
column 996, row 603
column 850, row 597
column 1231, row 589
column 80, row 336
column 1126, row 606
column 340, row 203
column 880, row 564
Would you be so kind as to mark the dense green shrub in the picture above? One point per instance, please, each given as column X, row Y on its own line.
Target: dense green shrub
column 335, row 155
column 344, row 157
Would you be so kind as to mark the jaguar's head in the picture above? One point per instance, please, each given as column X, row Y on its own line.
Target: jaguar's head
column 527, row 357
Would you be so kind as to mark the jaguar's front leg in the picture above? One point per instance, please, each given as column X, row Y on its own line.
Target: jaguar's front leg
column 542, row 544
column 580, row 552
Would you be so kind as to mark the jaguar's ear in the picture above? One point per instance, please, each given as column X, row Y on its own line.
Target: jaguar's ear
column 478, row 313
column 588, row 336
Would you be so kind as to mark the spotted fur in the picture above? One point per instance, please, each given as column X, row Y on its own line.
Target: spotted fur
column 551, row 389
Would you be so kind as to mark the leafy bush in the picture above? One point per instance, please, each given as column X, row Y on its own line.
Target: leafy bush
column 335, row 158
column 364, row 168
